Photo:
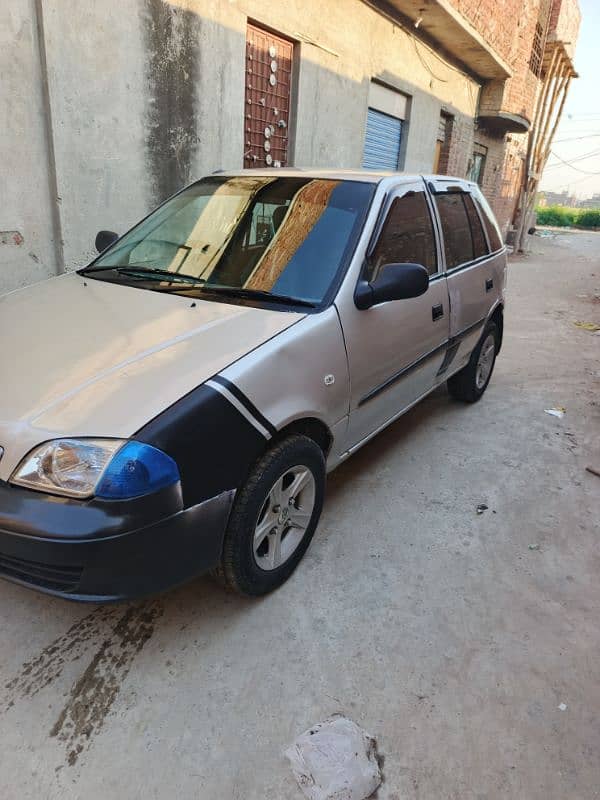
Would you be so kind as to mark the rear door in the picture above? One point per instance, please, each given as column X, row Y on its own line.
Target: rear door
column 395, row 349
column 474, row 266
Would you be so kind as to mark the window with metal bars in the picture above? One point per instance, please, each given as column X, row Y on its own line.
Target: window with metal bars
column 537, row 51
column 269, row 65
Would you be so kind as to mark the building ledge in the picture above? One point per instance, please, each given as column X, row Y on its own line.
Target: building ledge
column 563, row 54
column 439, row 21
column 501, row 122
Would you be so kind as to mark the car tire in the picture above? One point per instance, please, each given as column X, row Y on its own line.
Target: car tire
column 471, row 382
column 274, row 517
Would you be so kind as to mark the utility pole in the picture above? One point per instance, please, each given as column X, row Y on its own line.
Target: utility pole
column 558, row 73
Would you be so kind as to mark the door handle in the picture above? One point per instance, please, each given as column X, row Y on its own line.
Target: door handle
column 437, row 312
column 489, row 284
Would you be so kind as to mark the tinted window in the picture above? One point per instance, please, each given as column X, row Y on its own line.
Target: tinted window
column 407, row 235
column 480, row 247
column 458, row 244
column 286, row 236
column 490, row 223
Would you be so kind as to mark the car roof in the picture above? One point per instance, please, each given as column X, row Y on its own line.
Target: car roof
column 362, row 175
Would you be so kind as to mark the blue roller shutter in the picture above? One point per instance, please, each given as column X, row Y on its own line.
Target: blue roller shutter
column 382, row 142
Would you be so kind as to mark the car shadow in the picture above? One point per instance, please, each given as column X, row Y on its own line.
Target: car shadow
column 206, row 593
column 399, row 434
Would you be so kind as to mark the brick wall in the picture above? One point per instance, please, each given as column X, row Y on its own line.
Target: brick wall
column 495, row 26
column 502, row 173
column 510, row 31
column 517, row 94
column 564, row 23
column 520, row 92
column 493, row 163
column 461, row 146
column 506, row 25
column 444, row 161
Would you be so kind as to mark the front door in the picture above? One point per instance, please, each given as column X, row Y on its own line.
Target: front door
column 396, row 349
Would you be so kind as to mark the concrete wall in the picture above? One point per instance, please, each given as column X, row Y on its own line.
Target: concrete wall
column 96, row 76
column 565, row 22
column 27, row 243
column 146, row 95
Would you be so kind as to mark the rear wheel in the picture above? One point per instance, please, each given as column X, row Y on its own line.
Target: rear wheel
column 274, row 517
column 471, row 382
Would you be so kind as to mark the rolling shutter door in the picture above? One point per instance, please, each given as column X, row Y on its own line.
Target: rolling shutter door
column 382, row 142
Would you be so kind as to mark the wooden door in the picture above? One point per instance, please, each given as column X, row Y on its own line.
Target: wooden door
column 268, row 89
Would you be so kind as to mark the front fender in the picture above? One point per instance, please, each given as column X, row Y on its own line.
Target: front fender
column 300, row 373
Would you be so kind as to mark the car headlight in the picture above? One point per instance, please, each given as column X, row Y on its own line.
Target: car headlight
column 112, row 469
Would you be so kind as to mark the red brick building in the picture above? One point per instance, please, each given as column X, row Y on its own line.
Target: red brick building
column 520, row 32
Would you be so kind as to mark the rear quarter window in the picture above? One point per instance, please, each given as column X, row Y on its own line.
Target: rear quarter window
column 480, row 247
column 489, row 221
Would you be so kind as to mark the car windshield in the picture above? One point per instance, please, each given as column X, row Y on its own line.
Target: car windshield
column 285, row 236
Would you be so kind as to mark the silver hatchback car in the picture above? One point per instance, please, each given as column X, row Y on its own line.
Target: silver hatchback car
column 174, row 407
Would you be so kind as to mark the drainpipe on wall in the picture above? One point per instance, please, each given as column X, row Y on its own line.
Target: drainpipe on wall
column 59, row 254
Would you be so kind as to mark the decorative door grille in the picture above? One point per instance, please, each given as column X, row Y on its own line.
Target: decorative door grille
column 267, row 107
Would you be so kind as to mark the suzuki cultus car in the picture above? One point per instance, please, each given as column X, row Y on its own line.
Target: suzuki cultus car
column 174, row 407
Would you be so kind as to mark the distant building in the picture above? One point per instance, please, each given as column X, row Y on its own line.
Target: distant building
column 591, row 202
column 110, row 107
column 557, row 199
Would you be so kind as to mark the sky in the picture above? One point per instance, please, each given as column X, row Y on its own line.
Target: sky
column 578, row 135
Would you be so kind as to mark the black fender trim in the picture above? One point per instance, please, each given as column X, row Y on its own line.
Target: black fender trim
column 213, row 442
column 219, row 383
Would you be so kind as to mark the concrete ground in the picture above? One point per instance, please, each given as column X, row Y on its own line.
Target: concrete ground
column 440, row 631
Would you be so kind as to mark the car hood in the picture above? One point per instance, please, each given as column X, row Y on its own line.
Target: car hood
column 83, row 357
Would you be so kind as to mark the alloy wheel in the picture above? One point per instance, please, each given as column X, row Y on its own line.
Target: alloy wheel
column 485, row 361
column 284, row 517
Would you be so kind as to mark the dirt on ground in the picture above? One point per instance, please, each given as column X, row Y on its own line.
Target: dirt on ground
column 468, row 643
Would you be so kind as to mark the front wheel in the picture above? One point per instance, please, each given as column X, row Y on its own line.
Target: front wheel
column 471, row 382
column 274, row 517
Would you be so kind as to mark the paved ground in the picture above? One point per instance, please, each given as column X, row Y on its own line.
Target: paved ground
column 438, row 630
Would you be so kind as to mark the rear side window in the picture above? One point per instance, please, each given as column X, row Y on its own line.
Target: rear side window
column 407, row 236
column 458, row 242
column 490, row 223
column 480, row 247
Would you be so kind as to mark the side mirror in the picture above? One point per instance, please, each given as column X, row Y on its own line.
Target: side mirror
column 104, row 239
column 394, row 282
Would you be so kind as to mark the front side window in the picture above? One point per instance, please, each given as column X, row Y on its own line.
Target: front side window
column 458, row 242
column 406, row 237
column 288, row 237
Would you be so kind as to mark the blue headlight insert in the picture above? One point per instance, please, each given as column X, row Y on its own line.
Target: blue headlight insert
column 135, row 470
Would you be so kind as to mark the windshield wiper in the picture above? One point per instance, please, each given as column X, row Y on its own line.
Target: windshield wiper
column 257, row 294
column 146, row 273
